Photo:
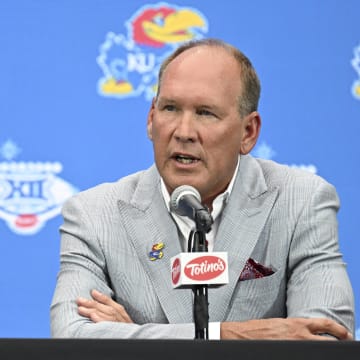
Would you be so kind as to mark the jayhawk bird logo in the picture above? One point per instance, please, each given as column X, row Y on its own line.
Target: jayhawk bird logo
column 130, row 63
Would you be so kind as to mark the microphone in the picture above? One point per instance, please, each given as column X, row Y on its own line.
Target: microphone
column 186, row 201
column 197, row 269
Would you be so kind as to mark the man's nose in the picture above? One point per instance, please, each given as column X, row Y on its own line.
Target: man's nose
column 186, row 128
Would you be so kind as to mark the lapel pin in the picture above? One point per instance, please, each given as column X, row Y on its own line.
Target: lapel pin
column 156, row 251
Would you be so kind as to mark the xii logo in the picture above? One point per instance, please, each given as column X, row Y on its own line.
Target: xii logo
column 30, row 192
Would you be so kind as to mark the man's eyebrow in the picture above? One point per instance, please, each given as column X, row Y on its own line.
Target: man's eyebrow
column 211, row 107
column 166, row 100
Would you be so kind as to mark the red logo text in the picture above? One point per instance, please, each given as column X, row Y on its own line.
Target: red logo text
column 205, row 268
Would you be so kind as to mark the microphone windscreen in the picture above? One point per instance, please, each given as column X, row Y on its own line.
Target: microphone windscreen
column 179, row 192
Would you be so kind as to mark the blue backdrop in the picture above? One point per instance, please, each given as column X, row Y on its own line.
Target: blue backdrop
column 76, row 79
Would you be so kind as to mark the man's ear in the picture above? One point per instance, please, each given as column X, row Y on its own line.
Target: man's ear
column 150, row 119
column 251, row 132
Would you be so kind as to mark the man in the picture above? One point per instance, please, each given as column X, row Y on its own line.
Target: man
column 203, row 123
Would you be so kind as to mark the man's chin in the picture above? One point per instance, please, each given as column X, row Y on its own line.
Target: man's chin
column 175, row 184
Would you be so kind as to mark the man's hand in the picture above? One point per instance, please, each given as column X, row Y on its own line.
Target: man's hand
column 102, row 308
column 285, row 329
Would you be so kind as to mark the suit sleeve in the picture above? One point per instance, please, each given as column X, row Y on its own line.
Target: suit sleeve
column 318, row 283
column 83, row 268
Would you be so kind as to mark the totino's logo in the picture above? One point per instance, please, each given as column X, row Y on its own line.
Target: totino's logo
column 175, row 271
column 130, row 63
column 205, row 268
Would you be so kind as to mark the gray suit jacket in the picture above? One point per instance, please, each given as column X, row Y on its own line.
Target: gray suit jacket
column 281, row 217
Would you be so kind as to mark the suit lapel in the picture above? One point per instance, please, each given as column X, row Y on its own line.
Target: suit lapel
column 242, row 222
column 148, row 222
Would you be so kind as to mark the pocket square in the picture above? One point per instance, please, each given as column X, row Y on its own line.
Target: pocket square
column 254, row 270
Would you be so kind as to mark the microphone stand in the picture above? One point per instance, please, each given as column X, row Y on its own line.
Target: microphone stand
column 203, row 221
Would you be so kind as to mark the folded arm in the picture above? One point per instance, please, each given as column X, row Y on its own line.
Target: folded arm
column 102, row 308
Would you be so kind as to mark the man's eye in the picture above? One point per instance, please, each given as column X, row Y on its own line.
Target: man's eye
column 169, row 108
column 204, row 112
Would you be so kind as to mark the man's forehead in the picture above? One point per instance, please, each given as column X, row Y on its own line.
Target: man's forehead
column 204, row 52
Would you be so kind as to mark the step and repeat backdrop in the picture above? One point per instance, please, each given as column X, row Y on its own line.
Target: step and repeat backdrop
column 76, row 80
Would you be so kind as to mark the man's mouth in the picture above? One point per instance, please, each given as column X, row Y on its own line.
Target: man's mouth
column 185, row 159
